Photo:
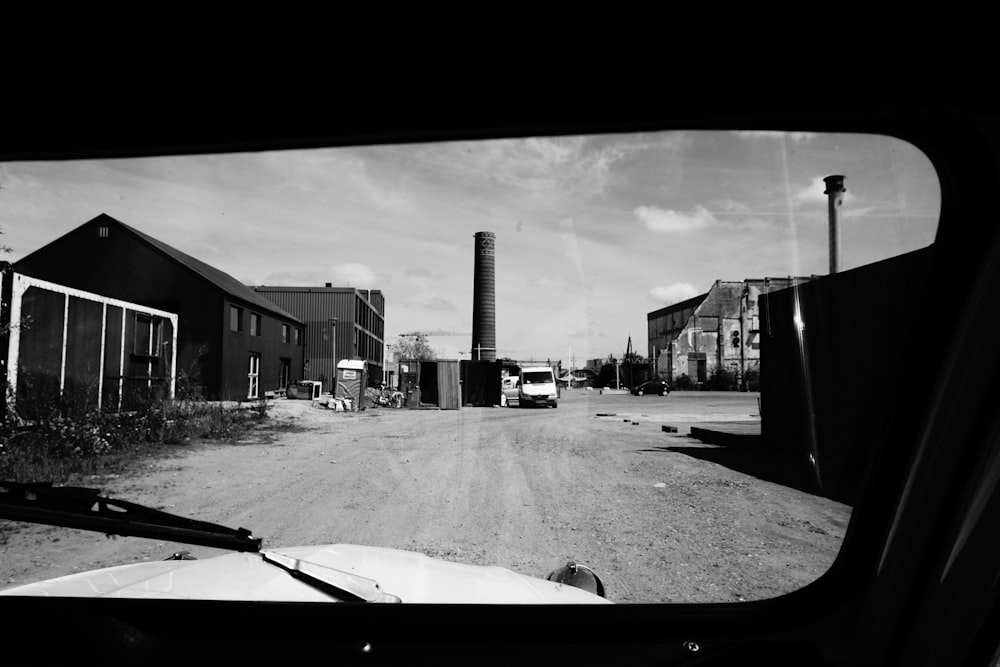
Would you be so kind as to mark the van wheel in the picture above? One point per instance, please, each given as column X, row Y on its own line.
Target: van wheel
column 555, row 404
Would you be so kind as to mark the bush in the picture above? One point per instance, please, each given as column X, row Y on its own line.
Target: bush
column 721, row 379
column 63, row 439
column 683, row 382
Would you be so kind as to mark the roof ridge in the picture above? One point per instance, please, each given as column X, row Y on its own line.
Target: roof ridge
column 224, row 281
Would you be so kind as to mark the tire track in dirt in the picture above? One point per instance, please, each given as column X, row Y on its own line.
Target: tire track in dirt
column 518, row 488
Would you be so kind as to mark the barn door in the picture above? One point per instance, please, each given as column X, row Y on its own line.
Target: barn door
column 284, row 372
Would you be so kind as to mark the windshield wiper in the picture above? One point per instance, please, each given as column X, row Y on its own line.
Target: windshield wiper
column 338, row 584
column 86, row 509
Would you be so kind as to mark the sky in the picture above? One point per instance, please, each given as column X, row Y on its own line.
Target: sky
column 592, row 232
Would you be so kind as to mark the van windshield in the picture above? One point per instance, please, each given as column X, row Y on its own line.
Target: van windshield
column 538, row 376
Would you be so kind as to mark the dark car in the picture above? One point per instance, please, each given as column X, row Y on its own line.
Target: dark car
column 658, row 387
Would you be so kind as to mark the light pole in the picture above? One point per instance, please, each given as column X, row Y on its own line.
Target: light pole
column 333, row 343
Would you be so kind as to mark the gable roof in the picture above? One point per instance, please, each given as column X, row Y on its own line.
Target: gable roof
column 220, row 279
column 693, row 302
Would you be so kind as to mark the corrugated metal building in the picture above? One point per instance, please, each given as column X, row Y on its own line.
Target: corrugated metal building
column 341, row 323
column 233, row 343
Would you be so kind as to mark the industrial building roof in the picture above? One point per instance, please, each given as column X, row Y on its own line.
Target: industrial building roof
column 220, row 279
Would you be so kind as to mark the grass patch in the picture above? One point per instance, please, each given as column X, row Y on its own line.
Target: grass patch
column 61, row 443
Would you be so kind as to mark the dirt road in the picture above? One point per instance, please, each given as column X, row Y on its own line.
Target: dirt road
column 650, row 512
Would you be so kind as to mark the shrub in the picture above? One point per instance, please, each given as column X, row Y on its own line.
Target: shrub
column 722, row 379
column 62, row 439
column 683, row 382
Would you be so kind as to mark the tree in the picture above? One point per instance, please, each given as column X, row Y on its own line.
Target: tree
column 4, row 328
column 413, row 347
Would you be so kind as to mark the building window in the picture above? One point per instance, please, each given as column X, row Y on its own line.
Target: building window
column 146, row 338
column 102, row 232
column 285, row 330
column 298, row 336
column 253, row 376
column 254, row 324
column 235, row 318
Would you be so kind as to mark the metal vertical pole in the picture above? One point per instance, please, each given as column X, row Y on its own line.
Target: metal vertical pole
column 835, row 191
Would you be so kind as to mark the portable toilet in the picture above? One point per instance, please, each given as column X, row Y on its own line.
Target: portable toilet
column 351, row 381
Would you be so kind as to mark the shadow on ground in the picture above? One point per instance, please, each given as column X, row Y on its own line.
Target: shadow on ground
column 758, row 462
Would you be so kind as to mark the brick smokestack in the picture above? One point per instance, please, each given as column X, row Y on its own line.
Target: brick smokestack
column 484, row 330
column 835, row 190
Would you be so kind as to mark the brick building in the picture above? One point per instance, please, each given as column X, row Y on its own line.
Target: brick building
column 716, row 330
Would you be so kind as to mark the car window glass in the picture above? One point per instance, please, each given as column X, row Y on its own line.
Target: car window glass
column 692, row 258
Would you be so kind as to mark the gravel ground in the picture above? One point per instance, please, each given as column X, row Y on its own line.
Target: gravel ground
column 660, row 517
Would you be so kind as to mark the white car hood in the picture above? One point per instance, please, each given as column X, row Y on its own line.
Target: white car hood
column 410, row 576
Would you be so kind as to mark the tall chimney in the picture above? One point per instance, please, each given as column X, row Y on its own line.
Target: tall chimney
column 484, row 331
column 835, row 190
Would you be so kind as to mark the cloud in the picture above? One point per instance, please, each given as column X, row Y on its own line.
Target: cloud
column 344, row 275
column 562, row 165
column 436, row 303
column 352, row 275
column 663, row 221
column 291, row 279
column 814, row 193
column 672, row 294
column 417, row 273
column 571, row 247
column 732, row 206
column 546, row 281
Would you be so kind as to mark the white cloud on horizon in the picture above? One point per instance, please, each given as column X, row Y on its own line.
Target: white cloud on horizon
column 662, row 221
column 814, row 193
column 354, row 275
column 671, row 294
column 436, row 303
column 576, row 165
column 343, row 275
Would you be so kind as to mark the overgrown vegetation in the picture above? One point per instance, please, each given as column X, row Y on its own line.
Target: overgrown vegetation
column 721, row 379
column 54, row 438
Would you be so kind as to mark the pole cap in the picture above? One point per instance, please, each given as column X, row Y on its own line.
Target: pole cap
column 834, row 184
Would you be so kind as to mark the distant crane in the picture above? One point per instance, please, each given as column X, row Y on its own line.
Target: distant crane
column 426, row 333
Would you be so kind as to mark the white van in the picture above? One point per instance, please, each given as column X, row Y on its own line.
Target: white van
column 508, row 390
column 537, row 387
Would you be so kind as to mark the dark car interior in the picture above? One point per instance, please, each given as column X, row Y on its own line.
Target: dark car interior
column 917, row 581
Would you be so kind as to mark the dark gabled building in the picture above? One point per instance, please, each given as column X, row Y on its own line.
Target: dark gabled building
column 341, row 323
column 232, row 343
